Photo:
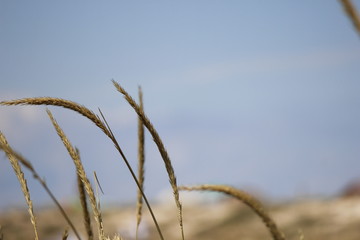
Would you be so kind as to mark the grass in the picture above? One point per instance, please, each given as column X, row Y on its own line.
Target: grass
column 86, row 191
column 246, row 198
column 24, row 188
column 350, row 10
column 81, row 175
column 141, row 163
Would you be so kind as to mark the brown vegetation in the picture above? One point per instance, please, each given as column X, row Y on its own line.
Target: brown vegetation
column 84, row 183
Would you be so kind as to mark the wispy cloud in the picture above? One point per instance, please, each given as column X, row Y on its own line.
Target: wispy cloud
column 271, row 64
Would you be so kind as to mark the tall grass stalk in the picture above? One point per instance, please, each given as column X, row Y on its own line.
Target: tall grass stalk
column 81, row 173
column 141, row 162
column 162, row 150
column 20, row 175
column 7, row 149
column 84, row 207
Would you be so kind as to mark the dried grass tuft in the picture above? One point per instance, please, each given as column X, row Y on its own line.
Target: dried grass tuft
column 81, row 173
column 246, row 198
column 162, row 150
column 20, row 175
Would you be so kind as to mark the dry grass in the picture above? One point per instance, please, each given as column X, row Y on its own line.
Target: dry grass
column 246, row 198
column 141, row 162
column 350, row 10
column 84, row 207
column 100, row 124
column 84, row 183
column 65, row 234
column 61, row 103
column 10, row 152
column 161, row 148
column 20, row 175
column 81, row 173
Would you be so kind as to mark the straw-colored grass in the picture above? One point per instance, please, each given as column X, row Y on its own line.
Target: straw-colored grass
column 246, row 198
column 61, row 103
column 97, row 121
column 81, row 173
column 9, row 151
column 65, row 234
column 84, row 207
column 85, row 210
column 84, row 183
column 20, row 175
column 350, row 10
column 116, row 237
column 161, row 148
column 141, row 162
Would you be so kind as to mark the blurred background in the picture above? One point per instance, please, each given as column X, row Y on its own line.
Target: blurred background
column 260, row 95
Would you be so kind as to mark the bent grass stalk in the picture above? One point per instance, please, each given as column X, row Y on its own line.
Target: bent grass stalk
column 246, row 198
column 81, row 173
column 28, row 165
column 60, row 103
column 20, row 175
column 96, row 120
column 161, row 147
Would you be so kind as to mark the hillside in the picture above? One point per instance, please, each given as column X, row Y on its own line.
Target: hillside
column 330, row 219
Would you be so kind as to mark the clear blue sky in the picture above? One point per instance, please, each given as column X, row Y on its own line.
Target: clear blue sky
column 261, row 95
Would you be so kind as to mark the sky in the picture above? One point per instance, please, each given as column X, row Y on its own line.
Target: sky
column 259, row 95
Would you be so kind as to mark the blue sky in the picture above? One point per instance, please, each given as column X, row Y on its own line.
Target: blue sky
column 259, row 95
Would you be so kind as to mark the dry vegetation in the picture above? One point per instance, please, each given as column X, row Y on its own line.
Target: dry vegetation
column 87, row 193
